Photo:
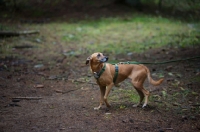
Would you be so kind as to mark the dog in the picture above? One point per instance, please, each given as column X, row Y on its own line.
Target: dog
column 108, row 75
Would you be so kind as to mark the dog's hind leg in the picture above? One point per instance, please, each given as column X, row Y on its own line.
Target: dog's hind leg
column 146, row 94
column 143, row 93
column 141, row 98
column 103, row 90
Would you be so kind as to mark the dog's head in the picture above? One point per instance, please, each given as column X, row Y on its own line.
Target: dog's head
column 97, row 58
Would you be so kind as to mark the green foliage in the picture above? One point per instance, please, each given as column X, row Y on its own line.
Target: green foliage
column 134, row 33
column 131, row 34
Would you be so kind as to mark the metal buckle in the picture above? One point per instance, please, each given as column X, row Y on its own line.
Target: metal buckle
column 95, row 75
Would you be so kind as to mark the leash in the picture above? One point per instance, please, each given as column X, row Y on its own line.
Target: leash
column 97, row 75
column 156, row 63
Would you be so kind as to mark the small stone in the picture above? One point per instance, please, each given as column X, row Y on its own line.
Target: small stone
column 129, row 54
column 131, row 120
column 168, row 68
column 193, row 117
column 59, row 91
column 124, row 121
column 62, row 128
column 38, row 66
column 184, row 118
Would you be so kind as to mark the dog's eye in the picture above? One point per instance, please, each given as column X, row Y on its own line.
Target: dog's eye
column 98, row 55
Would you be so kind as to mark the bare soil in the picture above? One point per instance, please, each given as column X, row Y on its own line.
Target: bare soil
column 68, row 93
column 68, row 100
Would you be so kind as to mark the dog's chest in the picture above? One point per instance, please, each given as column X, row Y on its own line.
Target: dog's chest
column 103, row 81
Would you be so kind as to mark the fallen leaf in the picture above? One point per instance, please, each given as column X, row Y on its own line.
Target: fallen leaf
column 182, row 88
column 122, row 107
column 179, row 75
column 195, row 93
column 38, row 40
column 164, row 93
column 171, row 74
column 176, row 104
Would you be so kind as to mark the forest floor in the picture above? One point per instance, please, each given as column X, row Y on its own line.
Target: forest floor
column 43, row 89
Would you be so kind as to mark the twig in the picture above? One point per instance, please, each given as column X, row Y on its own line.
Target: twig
column 159, row 111
column 64, row 92
column 168, row 128
column 28, row 98
column 73, row 80
column 23, row 46
column 195, row 105
column 17, row 33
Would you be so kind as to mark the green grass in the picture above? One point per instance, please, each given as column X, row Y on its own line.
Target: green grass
column 119, row 95
column 114, row 35
column 123, row 35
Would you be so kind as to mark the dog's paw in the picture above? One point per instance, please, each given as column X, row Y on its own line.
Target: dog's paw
column 97, row 108
column 144, row 105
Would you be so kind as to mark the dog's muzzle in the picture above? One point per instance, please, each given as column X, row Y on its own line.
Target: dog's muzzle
column 104, row 59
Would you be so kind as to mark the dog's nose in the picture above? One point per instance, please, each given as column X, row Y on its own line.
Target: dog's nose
column 104, row 59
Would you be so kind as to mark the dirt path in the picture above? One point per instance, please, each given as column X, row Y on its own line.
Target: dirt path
column 68, row 99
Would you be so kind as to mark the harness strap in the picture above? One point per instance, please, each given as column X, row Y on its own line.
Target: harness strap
column 102, row 70
column 116, row 73
column 97, row 75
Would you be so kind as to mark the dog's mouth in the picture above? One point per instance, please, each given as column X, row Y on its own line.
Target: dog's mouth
column 105, row 59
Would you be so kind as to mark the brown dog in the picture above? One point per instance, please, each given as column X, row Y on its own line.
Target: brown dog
column 105, row 74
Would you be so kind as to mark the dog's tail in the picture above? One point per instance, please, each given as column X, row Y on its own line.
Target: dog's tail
column 150, row 79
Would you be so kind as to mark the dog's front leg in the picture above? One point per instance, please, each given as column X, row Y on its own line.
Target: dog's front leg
column 102, row 89
column 108, row 88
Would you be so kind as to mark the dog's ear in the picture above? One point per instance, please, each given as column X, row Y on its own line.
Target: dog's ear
column 88, row 60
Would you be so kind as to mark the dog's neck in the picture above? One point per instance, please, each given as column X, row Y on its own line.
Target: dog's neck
column 96, row 67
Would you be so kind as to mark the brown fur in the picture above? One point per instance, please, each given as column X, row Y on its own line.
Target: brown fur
column 137, row 74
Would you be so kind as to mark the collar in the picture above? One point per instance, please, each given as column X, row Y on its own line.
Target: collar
column 97, row 75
